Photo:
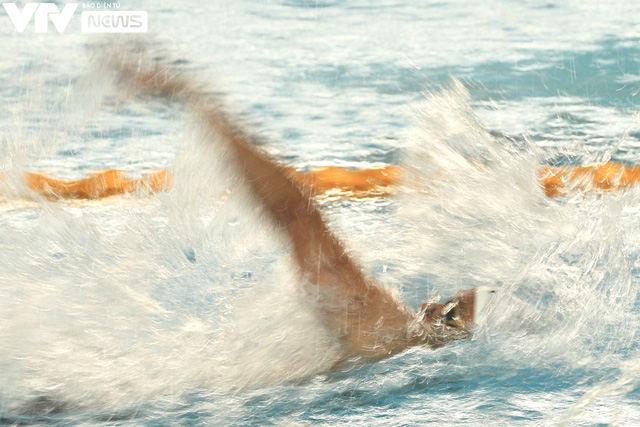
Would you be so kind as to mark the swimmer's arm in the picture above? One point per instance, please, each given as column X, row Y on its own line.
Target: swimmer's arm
column 372, row 322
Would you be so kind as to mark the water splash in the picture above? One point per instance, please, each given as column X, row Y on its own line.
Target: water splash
column 567, row 268
column 104, row 305
column 103, row 309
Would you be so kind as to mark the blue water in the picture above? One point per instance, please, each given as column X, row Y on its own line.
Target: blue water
column 182, row 309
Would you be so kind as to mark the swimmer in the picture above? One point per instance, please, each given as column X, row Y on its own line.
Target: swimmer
column 370, row 321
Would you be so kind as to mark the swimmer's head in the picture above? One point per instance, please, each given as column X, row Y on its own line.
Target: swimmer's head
column 457, row 313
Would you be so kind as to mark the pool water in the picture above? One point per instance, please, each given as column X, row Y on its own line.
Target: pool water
column 184, row 308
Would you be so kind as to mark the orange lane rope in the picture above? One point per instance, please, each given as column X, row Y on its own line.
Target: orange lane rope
column 559, row 181
column 358, row 182
column 99, row 184
column 555, row 181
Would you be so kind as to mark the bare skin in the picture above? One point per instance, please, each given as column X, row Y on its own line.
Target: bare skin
column 371, row 322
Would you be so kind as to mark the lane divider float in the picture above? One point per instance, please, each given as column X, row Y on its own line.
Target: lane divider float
column 555, row 181
column 99, row 184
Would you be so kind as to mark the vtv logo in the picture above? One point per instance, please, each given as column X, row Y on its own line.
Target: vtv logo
column 43, row 11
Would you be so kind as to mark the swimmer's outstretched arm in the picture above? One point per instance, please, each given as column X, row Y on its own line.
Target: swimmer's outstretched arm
column 371, row 321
